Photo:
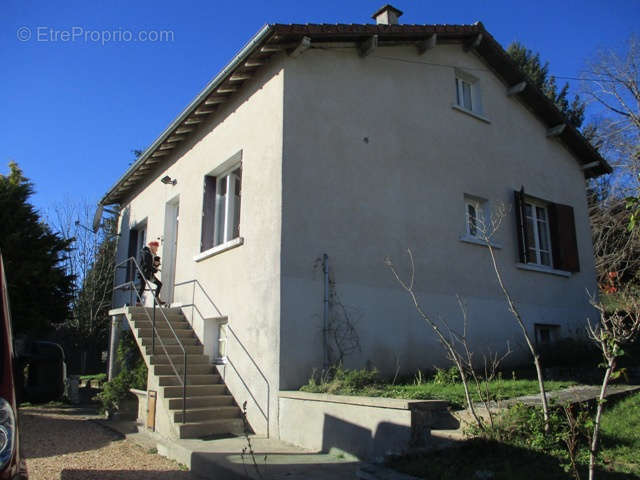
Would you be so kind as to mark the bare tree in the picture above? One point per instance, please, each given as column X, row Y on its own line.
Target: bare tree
column 487, row 231
column 491, row 364
column 444, row 334
column 91, row 261
column 614, row 330
column 612, row 80
column 616, row 249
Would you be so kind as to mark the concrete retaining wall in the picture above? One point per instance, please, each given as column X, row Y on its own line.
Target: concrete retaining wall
column 366, row 427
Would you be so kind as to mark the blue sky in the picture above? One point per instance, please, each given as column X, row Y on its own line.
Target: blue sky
column 72, row 110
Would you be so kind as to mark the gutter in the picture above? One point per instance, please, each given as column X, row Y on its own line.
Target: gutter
column 212, row 85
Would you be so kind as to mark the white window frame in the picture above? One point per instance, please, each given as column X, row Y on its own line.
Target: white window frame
column 460, row 96
column 475, row 96
column 224, row 215
column 479, row 205
column 534, row 205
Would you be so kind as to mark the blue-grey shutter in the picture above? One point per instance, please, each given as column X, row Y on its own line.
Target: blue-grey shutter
column 133, row 245
column 208, row 213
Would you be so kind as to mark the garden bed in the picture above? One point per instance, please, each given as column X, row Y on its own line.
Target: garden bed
column 528, row 455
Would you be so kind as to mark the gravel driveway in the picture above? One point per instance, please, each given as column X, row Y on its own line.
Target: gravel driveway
column 63, row 443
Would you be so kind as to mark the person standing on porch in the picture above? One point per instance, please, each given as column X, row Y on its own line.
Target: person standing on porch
column 149, row 263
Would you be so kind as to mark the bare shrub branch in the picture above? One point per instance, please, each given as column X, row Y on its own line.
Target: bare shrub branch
column 614, row 330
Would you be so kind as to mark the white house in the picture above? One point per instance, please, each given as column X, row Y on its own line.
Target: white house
column 358, row 142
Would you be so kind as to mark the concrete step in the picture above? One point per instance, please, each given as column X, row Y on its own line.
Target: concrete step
column 205, row 414
column 174, row 349
column 166, row 333
column 201, row 401
column 456, row 435
column 192, row 359
column 161, row 323
column 142, row 311
column 195, row 390
column 212, row 427
column 172, row 380
column 172, row 317
column 172, row 341
column 198, row 369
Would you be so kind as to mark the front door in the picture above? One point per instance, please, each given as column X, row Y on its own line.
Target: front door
column 170, row 249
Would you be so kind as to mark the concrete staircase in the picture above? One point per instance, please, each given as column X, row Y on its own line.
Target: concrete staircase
column 210, row 408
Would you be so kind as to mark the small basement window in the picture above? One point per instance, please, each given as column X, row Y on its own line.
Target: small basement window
column 546, row 334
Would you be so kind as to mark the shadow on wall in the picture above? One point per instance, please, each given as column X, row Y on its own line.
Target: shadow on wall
column 251, row 388
column 360, row 441
column 388, row 437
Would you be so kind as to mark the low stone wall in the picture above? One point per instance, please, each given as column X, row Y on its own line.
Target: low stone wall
column 365, row 427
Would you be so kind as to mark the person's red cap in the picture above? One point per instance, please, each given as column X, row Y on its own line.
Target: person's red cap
column 154, row 244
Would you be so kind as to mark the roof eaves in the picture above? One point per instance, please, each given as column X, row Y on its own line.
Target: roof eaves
column 489, row 48
column 542, row 105
column 111, row 196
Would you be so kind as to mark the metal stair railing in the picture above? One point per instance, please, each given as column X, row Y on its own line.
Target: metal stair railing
column 128, row 264
column 194, row 308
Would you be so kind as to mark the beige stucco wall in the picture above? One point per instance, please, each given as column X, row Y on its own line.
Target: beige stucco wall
column 376, row 161
column 244, row 282
column 362, row 158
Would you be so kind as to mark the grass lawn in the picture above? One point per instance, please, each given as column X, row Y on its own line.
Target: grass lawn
column 621, row 435
column 619, row 457
column 365, row 383
column 102, row 377
column 454, row 393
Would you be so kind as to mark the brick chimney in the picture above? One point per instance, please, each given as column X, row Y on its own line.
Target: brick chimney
column 387, row 15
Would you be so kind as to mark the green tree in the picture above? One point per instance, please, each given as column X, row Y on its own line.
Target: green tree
column 39, row 286
column 538, row 74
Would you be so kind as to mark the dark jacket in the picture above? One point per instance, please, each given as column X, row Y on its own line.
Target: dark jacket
column 146, row 262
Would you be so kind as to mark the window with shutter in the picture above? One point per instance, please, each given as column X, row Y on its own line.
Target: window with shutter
column 208, row 204
column 546, row 233
column 221, row 208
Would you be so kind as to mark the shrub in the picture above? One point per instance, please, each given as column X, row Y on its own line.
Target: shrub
column 523, row 426
column 133, row 374
column 340, row 380
column 446, row 377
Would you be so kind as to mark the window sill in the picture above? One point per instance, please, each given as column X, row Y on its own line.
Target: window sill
column 470, row 113
column 223, row 247
column 478, row 241
column 541, row 269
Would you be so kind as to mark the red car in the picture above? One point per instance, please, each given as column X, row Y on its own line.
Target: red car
column 12, row 464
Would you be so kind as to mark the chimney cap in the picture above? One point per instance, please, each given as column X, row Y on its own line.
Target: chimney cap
column 387, row 8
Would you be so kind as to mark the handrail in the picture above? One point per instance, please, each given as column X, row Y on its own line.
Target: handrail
column 131, row 261
column 195, row 308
